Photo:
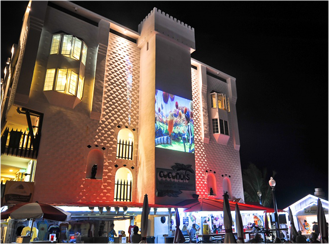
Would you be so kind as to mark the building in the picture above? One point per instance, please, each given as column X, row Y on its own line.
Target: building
column 306, row 209
column 79, row 125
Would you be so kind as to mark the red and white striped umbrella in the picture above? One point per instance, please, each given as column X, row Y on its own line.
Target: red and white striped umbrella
column 34, row 211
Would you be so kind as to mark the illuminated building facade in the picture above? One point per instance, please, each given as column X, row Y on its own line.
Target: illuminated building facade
column 93, row 112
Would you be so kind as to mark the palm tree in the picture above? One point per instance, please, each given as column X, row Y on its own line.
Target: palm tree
column 254, row 180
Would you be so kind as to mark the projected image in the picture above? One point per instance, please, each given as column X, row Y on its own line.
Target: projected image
column 173, row 122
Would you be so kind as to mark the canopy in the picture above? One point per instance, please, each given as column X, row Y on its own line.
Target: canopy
column 206, row 204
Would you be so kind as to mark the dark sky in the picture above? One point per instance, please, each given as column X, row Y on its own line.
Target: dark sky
column 278, row 53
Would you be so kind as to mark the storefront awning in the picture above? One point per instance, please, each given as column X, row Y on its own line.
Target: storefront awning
column 206, row 204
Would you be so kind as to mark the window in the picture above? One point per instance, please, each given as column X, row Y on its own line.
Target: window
column 80, row 87
column 220, row 100
column 125, row 144
column 66, row 47
column 72, row 47
column 84, row 54
column 223, row 127
column 55, row 44
column 76, row 48
column 73, row 81
column 49, row 82
column 215, row 126
column 213, row 100
column 61, row 80
column 66, row 81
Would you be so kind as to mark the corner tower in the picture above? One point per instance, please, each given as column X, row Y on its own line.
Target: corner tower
column 166, row 45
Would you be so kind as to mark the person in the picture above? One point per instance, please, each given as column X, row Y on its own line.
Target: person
column 314, row 237
column 193, row 233
column 131, row 230
column 306, row 226
column 315, row 228
column 112, row 233
column 136, row 238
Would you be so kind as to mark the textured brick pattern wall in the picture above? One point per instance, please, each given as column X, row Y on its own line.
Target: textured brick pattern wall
column 213, row 156
column 64, row 151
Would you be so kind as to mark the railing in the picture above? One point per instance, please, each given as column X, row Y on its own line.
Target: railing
column 18, row 143
column 123, row 191
column 125, row 150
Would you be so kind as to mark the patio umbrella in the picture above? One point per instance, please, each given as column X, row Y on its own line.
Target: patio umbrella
column 229, row 237
column 294, row 232
column 145, row 215
column 322, row 223
column 239, row 224
column 267, row 232
column 35, row 210
column 179, row 237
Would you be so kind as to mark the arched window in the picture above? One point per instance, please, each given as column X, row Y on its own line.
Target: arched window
column 227, row 187
column 123, row 185
column 125, row 146
column 211, row 184
column 95, row 157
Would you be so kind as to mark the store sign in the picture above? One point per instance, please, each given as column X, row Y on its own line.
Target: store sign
column 18, row 191
column 171, row 182
column 312, row 210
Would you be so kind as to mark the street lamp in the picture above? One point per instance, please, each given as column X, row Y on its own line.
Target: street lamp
column 272, row 184
column 259, row 194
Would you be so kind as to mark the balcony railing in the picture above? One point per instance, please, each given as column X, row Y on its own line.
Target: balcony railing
column 123, row 191
column 21, row 144
column 125, row 150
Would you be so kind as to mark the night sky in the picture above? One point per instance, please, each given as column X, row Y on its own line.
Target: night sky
column 278, row 53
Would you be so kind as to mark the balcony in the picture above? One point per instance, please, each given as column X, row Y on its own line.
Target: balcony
column 20, row 144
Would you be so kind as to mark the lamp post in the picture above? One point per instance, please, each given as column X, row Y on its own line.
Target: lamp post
column 259, row 194
column 272, row 184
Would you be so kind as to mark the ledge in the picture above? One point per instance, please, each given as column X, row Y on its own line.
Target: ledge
column 61, row 99
column 221, row 139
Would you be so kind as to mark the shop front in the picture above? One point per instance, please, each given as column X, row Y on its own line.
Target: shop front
column 92, row 225
column 204, row 220
column 304, row 212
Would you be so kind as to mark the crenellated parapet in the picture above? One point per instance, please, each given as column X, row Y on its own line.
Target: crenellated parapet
column 160, row 22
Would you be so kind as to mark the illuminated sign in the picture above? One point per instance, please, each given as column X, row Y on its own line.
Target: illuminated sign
column 171, row 182
column 174, row 124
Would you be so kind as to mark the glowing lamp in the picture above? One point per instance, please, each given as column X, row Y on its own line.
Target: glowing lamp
column 272, row 182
